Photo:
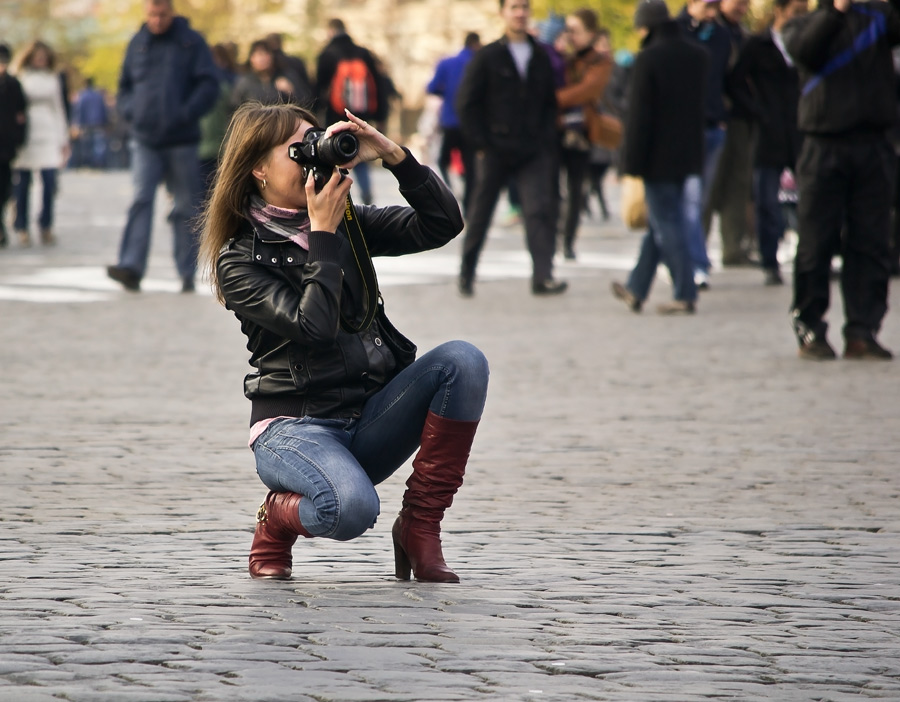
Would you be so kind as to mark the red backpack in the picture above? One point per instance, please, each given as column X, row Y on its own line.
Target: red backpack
column 354, row 88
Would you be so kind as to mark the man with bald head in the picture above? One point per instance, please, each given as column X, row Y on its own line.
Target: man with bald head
column 168, row 82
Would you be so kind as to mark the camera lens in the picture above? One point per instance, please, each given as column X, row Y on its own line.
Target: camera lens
column 338, row 149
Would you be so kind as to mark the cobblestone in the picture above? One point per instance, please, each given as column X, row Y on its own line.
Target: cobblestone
column 655, row 508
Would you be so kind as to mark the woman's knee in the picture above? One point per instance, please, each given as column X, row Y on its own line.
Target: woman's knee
column 466, row 361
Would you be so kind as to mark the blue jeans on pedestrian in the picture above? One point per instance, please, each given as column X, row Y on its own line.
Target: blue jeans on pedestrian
column 23, row 193
column 179, row 168
column 770, row 220
column 363, row 178
column 696, row 198
column 336, row 463
column 666, row 242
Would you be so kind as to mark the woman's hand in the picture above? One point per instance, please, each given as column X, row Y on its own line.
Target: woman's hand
column 326, row 207
column 372, row 143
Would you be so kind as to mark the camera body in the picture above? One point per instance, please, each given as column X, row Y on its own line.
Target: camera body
column 321, row 154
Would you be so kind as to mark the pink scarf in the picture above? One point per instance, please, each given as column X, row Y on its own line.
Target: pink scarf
column 291, row 224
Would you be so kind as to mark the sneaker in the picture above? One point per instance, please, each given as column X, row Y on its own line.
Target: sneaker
column 620, row 292
column 866, row 350
column 701, row 280
column 676, row 307
column 817, row 349
column 773, row 277
column 129, row 279
column 549, row 287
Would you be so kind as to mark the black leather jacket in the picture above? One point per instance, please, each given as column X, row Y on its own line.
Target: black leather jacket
column 289, row 302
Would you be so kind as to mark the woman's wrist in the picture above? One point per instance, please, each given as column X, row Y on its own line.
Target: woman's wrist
column 395, row 156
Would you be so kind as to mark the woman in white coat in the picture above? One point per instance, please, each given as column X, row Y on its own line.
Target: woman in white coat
column 46, row 147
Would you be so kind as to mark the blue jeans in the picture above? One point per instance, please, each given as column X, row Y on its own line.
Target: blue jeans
column 696, row 198
column 22, row 195
column 770, row 221
column 179, row 168
column 363, row 178
column 336, row 463
column 665, row 241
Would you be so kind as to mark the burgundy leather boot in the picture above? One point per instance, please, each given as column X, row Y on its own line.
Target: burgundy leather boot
column 438, row 470
column 277, row 528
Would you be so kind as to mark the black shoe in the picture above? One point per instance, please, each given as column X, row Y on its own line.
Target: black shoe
column 129, row 279
column 569, row 253
column 620, row 292
column 866, row 350
column 549, row 287
column 187, row 285
column 466, row 286
column 773, row 277
column 817, row 350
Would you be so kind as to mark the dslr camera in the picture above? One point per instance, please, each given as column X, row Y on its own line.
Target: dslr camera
column 321, row 154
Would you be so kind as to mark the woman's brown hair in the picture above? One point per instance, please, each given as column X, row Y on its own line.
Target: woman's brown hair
column 24, row 59
column 255, row 129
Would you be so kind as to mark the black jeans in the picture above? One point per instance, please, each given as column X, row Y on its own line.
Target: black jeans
column 536, row 180
column 453, row 139
column 575, row 165
column 5, row 191
column 845, row 183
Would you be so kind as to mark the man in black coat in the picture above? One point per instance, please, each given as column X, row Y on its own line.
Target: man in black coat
column 506, row 104
column 664, row 145
column 846, row 169
column 766, row 81
column 12, row 130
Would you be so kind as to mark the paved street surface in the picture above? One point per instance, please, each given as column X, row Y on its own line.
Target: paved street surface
column 655, row 509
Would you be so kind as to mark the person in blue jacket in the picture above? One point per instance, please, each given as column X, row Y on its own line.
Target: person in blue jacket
column 447, row 77
column 168, row 82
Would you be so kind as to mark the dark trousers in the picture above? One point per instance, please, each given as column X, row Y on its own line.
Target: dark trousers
column 5, row 190
column 844, row 183
column 575, row 166
column 453, row 139
column 770, row 221
column 23, row 193
column 536, row 181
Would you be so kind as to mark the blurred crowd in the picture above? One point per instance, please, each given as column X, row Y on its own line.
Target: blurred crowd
column 789, row 125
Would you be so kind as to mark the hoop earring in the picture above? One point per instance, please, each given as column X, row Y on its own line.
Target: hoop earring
column 264, row 184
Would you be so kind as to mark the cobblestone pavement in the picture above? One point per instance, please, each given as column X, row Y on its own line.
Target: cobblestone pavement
column 655, row 509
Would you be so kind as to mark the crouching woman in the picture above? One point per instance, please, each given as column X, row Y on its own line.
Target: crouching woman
column 336, row 409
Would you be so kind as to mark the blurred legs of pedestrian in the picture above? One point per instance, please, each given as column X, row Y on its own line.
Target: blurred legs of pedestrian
column 770, row 220
column 534, row 180
column 453, row 139
column 895, row 235
column 575, row 164
column 363, row 179
column 730, row 194
column 513, row 216
column 597, row 169
column 666, row 242
column 48, row 196
column 5, row 190
column 697, row 193
column 179, row 168
column 696, row 242
column 842, row 180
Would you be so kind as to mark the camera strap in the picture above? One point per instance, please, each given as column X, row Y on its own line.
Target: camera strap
column 366, row 270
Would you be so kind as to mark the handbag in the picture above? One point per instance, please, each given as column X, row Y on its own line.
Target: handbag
column 603, row 129
column 634, row 204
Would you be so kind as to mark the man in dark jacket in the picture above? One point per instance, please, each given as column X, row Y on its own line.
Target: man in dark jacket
column 845, row 171
column 733, row 183
column 507, row 109
column 12, row 130
column 664, row 145
column 766, row 80
column 168, row 82
column 698, row 21
column 341, row 48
